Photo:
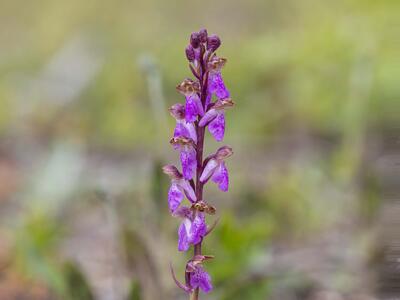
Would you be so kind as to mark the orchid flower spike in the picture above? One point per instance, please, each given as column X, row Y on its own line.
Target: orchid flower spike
column 199, row 112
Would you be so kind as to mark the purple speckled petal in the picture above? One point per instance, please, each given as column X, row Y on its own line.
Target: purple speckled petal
column 182, row 212
column 183, row 235
column 187, row 188
column 181, row 130
column 200, row 109
column 208, row 170
column 200, row 278
column 209, row 116
column 217, row 127
column 185, row 129
column 175, row 197
column 188, row 160
column 183, row 243
column 221, row 177
column 191, row 109
column 192, row 131
column 198, row 229
column 217, row 86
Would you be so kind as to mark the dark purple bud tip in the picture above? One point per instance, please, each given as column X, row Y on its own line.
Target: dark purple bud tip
column 203, row 35
column 190, row 53
column 195, row 40
column 177, row 111
column 172, row 172
column 213, row 43
column 223, row 152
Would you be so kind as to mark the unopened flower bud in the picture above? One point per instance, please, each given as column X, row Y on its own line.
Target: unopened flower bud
column 177, row 111
column 195, row 40
column 190, row 53
column 203, row 35
column 172, row 172
column 223, row 153
column 213, row 42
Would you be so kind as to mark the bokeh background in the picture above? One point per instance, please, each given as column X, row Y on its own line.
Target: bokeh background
column 313, row 210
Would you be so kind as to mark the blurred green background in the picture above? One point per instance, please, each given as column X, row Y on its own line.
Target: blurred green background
column 312, row 212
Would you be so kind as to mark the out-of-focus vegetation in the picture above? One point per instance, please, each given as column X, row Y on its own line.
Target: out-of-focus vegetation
column 84, row 91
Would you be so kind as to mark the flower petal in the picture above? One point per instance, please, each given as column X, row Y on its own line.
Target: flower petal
column 189, row 192
column 175, row 197
column 217, row 86
column 208, row 170
column 209, row 116
column 185, row 129
column 182, row 212
column 183, row 241
column 200, row 278
column 198, row 229
column 192, row 131
column 217, row 127
column 199, row 105
column 191, row 110
column 181, row 130
column 188, row 160
column 221, row 177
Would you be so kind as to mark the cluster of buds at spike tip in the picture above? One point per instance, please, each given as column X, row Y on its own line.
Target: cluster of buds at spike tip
column 206, row 99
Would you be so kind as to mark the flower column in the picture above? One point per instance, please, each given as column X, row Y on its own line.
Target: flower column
column 206, row 100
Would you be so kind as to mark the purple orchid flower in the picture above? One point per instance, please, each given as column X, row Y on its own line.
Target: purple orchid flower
column 194, row 107
column 191, row 119
column 216, row 84
column 182, row 128
column 215, row 118
column 192, row 229
column 179, row 187
column 216, row 169
column 187, row 155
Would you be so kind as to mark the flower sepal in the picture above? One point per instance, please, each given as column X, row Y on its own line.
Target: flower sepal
column 197, row 260
column 203, row 206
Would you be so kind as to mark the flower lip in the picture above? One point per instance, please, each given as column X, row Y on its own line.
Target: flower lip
column 223, row 153
column 188, row 86
column 223, row 103
column 177, row 111
column 172, row 172
column 181, row 141
column 217, row 63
